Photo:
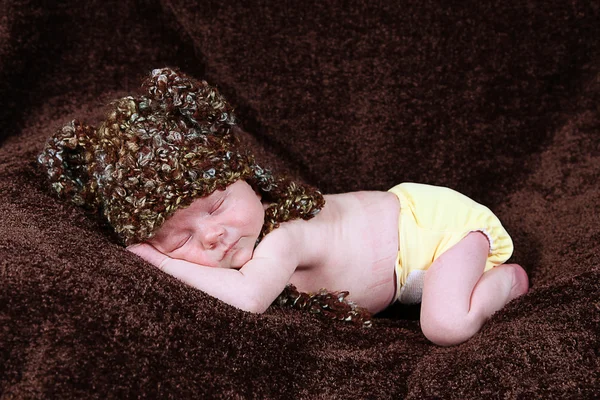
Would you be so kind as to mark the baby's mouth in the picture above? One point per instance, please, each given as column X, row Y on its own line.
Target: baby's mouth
column 228, row 249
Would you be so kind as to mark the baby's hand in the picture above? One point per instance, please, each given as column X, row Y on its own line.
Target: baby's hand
column 150, row 254
column 249, row 292
column 251, row 288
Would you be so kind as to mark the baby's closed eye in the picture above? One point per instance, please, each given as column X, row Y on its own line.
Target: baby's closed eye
column 217, row 205
column 177, row 243
column 180, row 243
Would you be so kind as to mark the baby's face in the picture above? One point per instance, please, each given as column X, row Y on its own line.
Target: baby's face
column 219, row 230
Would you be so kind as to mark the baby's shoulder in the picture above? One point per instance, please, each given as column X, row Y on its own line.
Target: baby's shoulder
column 358, row 204
column 277, row 244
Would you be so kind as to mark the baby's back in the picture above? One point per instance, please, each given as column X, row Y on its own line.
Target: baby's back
column 352, row 245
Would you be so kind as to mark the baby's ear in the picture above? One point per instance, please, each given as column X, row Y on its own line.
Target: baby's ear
column 159, row 84
column 201, row 104
column 67, row 158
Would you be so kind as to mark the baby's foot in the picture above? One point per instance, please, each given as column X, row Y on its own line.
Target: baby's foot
column 520, row 281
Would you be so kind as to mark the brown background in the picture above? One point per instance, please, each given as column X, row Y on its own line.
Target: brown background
column 497, row 99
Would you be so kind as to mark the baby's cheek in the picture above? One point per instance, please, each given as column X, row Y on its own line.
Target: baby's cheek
column 241, row 257
column 198, row 256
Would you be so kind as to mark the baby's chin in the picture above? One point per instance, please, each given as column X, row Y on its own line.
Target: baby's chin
column 238, row 259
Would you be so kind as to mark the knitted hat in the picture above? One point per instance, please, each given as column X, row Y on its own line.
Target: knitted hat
column 157, row 152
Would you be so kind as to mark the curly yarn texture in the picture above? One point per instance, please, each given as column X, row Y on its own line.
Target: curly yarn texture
column 156, row 152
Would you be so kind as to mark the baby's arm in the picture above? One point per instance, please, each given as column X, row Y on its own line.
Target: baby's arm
column 251, row 288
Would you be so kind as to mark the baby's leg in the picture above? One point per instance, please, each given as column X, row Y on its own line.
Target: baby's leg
column 458, row 297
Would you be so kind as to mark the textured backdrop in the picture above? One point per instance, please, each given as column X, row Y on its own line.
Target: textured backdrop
column 497, row 99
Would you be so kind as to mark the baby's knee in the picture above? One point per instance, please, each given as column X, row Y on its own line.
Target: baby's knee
column 445, row 330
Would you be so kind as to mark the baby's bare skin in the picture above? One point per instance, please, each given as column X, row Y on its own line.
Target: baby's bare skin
column 352, row 245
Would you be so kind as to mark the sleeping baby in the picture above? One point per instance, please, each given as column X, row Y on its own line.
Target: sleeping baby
column 168, row 173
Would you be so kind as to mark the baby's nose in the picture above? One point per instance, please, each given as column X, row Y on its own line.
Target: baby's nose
column 212, row 235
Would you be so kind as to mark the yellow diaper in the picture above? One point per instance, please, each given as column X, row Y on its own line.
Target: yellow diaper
column 432, row 220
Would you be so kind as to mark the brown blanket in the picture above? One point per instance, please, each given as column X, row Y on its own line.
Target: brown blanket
column 497, row 99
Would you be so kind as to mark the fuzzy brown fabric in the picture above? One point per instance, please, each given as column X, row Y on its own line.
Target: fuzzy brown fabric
column 497, row 99
column 156, row 152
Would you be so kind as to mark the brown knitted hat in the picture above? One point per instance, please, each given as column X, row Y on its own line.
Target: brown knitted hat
column 157, row 152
